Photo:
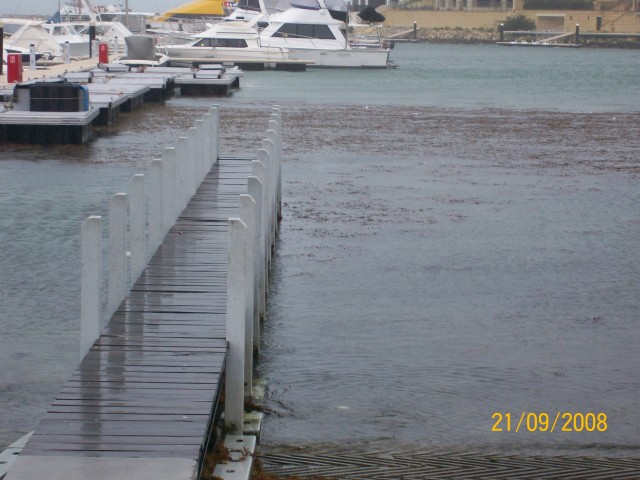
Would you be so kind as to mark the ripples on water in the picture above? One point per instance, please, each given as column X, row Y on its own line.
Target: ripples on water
column 465, row 266
column 435, row 264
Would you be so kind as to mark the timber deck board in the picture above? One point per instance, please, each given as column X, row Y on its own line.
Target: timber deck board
column 148, row 386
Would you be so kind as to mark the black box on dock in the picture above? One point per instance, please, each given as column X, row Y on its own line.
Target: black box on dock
column 57, row 97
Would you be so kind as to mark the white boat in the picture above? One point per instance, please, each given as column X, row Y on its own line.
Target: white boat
column 77, row 35
column 32, row 33
column 232, row 41
column 313, row 32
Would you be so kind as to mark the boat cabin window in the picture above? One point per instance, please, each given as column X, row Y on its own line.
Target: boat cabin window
column 221, row 42
column 305, row 30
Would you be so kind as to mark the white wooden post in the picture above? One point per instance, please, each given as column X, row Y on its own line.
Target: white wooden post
column 248, row 215
column 214, row 134
column 91, row 262
column 265, row 156
column 154, row 206
column 278, row 159
column 117, row 276
column 200, row 170
column 137, row 227
column 254, row 186
column 236, row 292
column 192, row 148
column 259, row 171
column 272, row 134
column 182, row 154
column 206, row 144
column 169, row 187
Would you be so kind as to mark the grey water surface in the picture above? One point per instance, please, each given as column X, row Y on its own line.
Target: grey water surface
column 458, row 239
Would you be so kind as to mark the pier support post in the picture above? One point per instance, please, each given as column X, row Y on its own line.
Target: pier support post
column 192, row 150
column 502, row 32
column 154, row 206
column 206, row 143
column 182, row 154
column 236, row 291
column 117, row 278
column 264, row 156
column 415, row 30
column 248, row 215
column 260, row 172
column 201, row 152
column 278, row 167
column 215, row 124
column 577, row 33
column 32, row 57
column 91, row 261
column 92, row 37
column 137, row 227
column 169, row 188
column 270, row 144
column 254, row 187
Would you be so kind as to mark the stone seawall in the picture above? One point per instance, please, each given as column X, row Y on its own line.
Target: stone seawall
column 487, row 36
column 444, row 35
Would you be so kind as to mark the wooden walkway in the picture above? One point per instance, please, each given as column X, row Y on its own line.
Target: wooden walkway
column 149, row 387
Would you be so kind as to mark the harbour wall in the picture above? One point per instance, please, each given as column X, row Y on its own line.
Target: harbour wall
column 612, row 21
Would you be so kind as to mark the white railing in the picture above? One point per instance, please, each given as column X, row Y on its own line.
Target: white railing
column 154, row 202
column 167, row 187
column 252, row 236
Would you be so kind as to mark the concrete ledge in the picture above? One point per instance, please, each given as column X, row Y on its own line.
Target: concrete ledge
column 30, row 467
column 241, row 449
column 10, row 455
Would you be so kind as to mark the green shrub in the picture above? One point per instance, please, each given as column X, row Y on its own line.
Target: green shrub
column 519, row 23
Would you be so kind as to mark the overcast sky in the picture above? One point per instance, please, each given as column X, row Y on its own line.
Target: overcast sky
column 49, row 7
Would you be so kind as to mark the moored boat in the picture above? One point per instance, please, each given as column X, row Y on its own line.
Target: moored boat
column 315, row 33
column 234, row 41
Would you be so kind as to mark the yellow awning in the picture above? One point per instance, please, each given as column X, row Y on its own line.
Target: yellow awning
column 196, row 8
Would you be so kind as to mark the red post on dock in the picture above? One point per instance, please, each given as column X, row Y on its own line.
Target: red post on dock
column 103, row 53
column 14, row 67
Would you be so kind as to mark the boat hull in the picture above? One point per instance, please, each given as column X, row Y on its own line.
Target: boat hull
column 346, row 58
column 225, row 54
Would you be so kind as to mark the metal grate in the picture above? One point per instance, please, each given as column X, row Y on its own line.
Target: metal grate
column 417, row 465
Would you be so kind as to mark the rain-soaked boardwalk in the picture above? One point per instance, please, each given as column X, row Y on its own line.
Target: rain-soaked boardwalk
column 141, row 402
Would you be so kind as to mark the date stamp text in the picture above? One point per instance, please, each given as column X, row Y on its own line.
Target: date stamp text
column 549, row 422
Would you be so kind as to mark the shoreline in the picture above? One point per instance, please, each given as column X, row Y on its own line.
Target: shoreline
column 485, row 37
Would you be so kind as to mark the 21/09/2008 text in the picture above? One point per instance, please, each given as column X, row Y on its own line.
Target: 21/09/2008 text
column 543, row 422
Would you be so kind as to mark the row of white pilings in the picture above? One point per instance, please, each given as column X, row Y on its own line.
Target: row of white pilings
column 252, row 236
column 139, row 221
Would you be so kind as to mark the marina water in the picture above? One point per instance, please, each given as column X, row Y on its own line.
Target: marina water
column 458, row 240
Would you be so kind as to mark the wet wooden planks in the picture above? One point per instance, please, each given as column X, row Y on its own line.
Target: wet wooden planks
column 150, row 383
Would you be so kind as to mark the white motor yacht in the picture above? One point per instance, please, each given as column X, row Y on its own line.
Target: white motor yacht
column 231, row 41
column 316, row 33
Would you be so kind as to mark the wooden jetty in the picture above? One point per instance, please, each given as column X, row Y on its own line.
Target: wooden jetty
column 145, row 399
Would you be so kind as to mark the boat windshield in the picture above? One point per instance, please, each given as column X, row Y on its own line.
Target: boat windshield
column 307, row 4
